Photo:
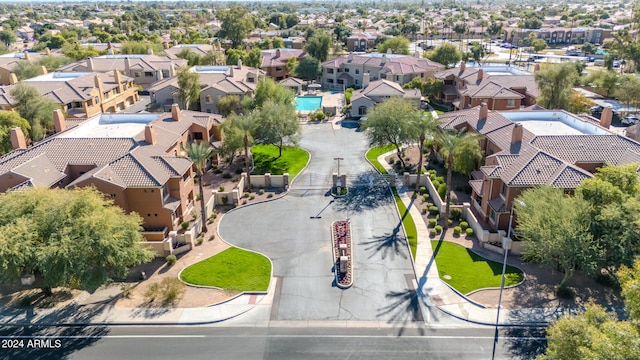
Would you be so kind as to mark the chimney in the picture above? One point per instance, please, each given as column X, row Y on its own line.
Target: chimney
column 417, row 54
column 383, row 60
column 150, row 51
column 175, row 112
column 13, row 79
column 231, row 71
column 127, row 66
column 240, row 64
column 480, row 75
column 159, row 75
column 109, row 45
column 43, row 70
column 27, row 56
column 463, row 66
column 17, row 139
column 517, row 133
column 350, row 57
column 118, row 79
column 47, row 51
column 172, row 70
column 365, row 80
column 277, row 53
column 271, row 46
column 166, row 45
column 605, row 117
column 98, row 84
column 59, row 122
column 536, row 68
column 484, row 111
column 90, row 63
column 149, row 134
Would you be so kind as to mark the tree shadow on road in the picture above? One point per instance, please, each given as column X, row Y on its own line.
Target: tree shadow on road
column 525, row 342
column 404, row 309
column 394, row 243
column 366, row 191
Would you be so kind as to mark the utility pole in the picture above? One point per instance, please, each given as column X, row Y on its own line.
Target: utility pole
column 338, row 159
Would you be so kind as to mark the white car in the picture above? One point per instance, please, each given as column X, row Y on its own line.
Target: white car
column 630, row 120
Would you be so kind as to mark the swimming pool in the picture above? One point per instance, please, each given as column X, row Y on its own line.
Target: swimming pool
column 308, row 103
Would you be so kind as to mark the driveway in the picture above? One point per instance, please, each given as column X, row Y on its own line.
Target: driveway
column 295, row 232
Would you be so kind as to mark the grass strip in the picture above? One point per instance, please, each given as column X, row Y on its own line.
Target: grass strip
column 373, row 153
column 409, row 225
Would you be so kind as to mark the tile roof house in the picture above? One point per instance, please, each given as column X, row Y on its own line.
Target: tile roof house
column 274, row 62
column 499, row 88
column 135, row 159
column 144, row 69
column 524, row 149
column 348, row 71
column 80, row 94
column 378, row 91
column 215, row 82
column 9, row 62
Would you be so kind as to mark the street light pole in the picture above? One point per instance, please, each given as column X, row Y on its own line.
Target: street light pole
column 505, row 247
column 338, row 158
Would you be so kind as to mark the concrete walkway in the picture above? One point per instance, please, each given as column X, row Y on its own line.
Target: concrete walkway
column 435, row 292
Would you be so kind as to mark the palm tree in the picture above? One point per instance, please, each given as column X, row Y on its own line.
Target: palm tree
column 452, row 144
column 483, row 24
column 422, row 124
column 246, row 124
column 199, row 153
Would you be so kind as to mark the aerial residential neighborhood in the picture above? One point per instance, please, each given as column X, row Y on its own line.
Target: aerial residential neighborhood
column 410, row 180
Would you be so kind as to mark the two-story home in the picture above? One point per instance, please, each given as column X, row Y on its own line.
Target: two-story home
column 9, row 62
column 80, row 94
column 144, row 69
column 525, row 149
column 377, row 91
column 274, row 62
column 500, row 88
column 348, row 71
column 137, row 160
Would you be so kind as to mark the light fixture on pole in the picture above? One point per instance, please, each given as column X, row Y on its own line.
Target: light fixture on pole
column 505, row 246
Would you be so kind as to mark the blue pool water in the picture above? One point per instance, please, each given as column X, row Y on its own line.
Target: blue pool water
column 308, row 103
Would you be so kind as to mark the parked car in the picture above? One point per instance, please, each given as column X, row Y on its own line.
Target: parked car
column 630, row 120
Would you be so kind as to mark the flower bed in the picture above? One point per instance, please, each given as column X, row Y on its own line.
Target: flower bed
column 342, row 254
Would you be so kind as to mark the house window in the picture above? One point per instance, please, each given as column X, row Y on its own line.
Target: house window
column 197, row 135
column 340, row 81
column 278, row 69
column 208, row 111
column 330, row 81
column 165, row 73
column 346, row 70
column 208, row 99
column 250, row 80
column 329, row 71
column 504, row 190
column 511, row 102
column 356, row 81
column 165, row 191
column 137, row 74
column 357, row 71
column 383, row 76
column 148, row 74
column 397, row 78
column 362, row 110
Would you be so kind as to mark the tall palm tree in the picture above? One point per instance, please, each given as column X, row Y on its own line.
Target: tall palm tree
column 422, row 124
column 246, row 124
column 452, row 144
column 199, row 153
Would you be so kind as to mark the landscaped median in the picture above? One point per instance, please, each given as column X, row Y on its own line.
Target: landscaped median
column 232, row 269
column 467, row 271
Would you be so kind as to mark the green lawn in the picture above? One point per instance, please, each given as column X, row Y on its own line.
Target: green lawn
column 232, row 269
column 409, row 225
column 373, row 153
column 469, row 271
column 266, row 160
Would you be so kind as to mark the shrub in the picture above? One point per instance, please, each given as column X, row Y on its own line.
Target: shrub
column 425, row 198
column 312, row 116
column 171, row 260
column 199, row 240
column 198, row 197
column 184, row 225
column 235, row 179
column 565, row 292
column 212, row 237
column 449, row 222
column 172, row 290
column 391, row 161
column 251, row 197
column 423, row 189
column 261, row 191
column 442, row 190
column 152, row 292
column 424, row 210
column 245, row 194
column 457, row 230
column 432, row 232
column 432, row 222
column 433, row 210
column 194, row 215
column 226, row 175
column 469, row 232
column 440, row 179
column 438, row 229
column 456, row 214
column 225, row 200
column 269, row 195
column 320, row 116
column 221, row 188
column 414, row 195
column 244, row 202
column 464, row 225
column 436, row 184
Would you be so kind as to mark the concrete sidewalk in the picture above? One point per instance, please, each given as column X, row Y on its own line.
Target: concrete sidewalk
column 432, row 291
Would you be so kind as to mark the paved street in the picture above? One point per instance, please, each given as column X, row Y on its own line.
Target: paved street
column 295, row 233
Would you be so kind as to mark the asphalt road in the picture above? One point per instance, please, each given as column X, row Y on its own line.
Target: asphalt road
column 268, row 343
column 294, row 232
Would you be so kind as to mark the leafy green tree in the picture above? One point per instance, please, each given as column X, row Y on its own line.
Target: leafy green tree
column 539, row 45
column 308, row 69
column 277, row 42
column 7, row 37
column 588, row 48
column 555, row 229
column 422, row 124
column 254, row 58
column 9, row 120
column 246, row 125
column 292, row 63
column 629, row 279
column 319, row 44
column 267, row 89
column 78, row 52
column 228, row 104
column 233, row 55
column 277, row 124
column 188, row 87
column 27, row 70
column 342, row 33
column 233, row 142
column 605, row 80
column 397, row 45
column 38, row 110
column 199, row 153
column 236, row 24
column 453, row 145
column 555, row 83
column 389, row 123
column 446, row 54
column 52, row 41
column 627, row 90
column 73, row 238
column 477, row 52
column 140, row 47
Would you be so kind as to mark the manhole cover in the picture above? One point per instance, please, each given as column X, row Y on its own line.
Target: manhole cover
column 447, row 277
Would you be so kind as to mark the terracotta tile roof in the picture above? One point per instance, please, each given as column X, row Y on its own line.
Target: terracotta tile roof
column 40, row 170
column 395, row 64
column 477, row 186
column 455, row 120
column 490, row 89
column 498, row 205
column 611, row 149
